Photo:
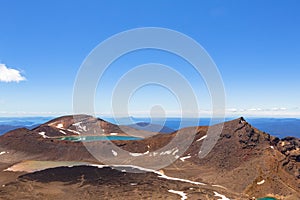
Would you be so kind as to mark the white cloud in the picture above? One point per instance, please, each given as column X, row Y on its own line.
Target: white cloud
column 10, row 75
column 264, row 112
column 232, row 110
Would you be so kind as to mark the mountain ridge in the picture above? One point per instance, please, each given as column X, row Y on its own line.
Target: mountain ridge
column 244, row 160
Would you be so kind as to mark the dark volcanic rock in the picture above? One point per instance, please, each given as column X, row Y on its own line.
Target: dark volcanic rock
column 84, row 182
column 290, row 147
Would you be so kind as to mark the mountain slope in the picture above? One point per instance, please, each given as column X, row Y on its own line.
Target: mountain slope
column 244, row 160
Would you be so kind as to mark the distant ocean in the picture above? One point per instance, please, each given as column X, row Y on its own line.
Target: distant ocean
column 279, row 127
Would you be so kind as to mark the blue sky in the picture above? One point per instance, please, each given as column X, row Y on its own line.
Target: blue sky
column 255, row 44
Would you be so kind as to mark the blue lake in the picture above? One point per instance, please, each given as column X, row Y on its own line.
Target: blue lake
column 97, row 138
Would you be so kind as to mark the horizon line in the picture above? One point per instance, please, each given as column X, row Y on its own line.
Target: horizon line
column 155, row 117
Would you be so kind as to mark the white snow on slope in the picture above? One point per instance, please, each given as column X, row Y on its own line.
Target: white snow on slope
column 223, row 197
column 205, row 136
column 43, row 134
column 59, row 126
column 114, row 152
column 139, row 154
column 169, row 152
column 2, row 152
column 73, row 131
column 261, row 182
column 182, row 194
column 184, row 158
column 80, row 126
column 175, row 152
column 160, row 174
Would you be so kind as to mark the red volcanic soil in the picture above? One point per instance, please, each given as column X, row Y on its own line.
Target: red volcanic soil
column 244, row 163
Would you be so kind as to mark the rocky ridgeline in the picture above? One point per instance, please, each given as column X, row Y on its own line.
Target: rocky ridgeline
column 244, row 160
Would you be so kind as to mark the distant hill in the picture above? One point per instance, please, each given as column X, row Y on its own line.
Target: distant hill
column 6, row 128
column 11, row 123
column 152, row 127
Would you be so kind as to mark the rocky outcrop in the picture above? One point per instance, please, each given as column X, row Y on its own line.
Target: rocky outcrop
column 290, row 147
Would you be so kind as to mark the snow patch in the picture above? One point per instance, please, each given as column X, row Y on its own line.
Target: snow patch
column 261, row 182
column 73, row 131
column 59, row 126
column 176, row 179
column 166, row 152
column 8, row 170
column 136, row 154
column 205, row 136
column 271, row 147
column 182, row 194
column 80, row 127
column 114, row 152
column 175, row 152
column 184, row 158
column 160, row 174
column 83, row 128
column 139, row 154
column 43, row 134
column 223, row 197
column 2, row 152
column 147, row 152
column 63, row 132
column 169, row 151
